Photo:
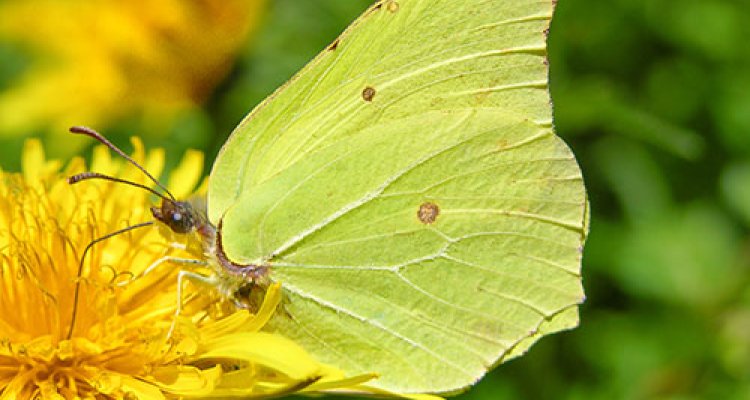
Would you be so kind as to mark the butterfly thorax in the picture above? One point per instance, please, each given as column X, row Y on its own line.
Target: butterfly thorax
column 232, row 279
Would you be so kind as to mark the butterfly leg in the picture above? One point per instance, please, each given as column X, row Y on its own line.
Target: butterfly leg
column 161, row 261
column 170, row 259
column 181, row 276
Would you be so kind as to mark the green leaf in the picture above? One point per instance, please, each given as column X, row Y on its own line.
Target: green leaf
column 408, row 191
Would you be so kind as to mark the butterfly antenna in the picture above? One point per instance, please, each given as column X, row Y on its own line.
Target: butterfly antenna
column 95, row 175
column 82, row 130
column 77, row 291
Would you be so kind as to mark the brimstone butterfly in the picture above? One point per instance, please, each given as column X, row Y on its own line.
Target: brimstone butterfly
column 408, row 191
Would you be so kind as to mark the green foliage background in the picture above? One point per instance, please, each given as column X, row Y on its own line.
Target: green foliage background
column 654, row 98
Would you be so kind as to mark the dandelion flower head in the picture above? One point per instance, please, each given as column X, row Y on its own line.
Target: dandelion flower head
column 119, row 345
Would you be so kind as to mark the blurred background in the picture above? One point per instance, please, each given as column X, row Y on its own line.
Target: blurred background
column 652, row 95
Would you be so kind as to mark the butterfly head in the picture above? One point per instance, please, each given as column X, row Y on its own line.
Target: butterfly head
column 179, row 216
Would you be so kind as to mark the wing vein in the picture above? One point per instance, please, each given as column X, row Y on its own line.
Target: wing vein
column 368, row 196
column 380, row 327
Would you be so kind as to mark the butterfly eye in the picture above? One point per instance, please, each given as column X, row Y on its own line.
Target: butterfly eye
column 181, row 220
column 178, row 216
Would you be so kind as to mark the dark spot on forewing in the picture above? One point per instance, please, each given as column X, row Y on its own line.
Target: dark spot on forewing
column 333, row 45
column 368, row 93
column 428, row 212
column 375, row 8
column 391, row 5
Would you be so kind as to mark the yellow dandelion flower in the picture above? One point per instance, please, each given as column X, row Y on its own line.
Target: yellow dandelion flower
column 119, row 345
column 97, row 61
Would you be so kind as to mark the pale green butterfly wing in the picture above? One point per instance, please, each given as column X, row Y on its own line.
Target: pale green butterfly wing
column 427, row 231
column 418, row 55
